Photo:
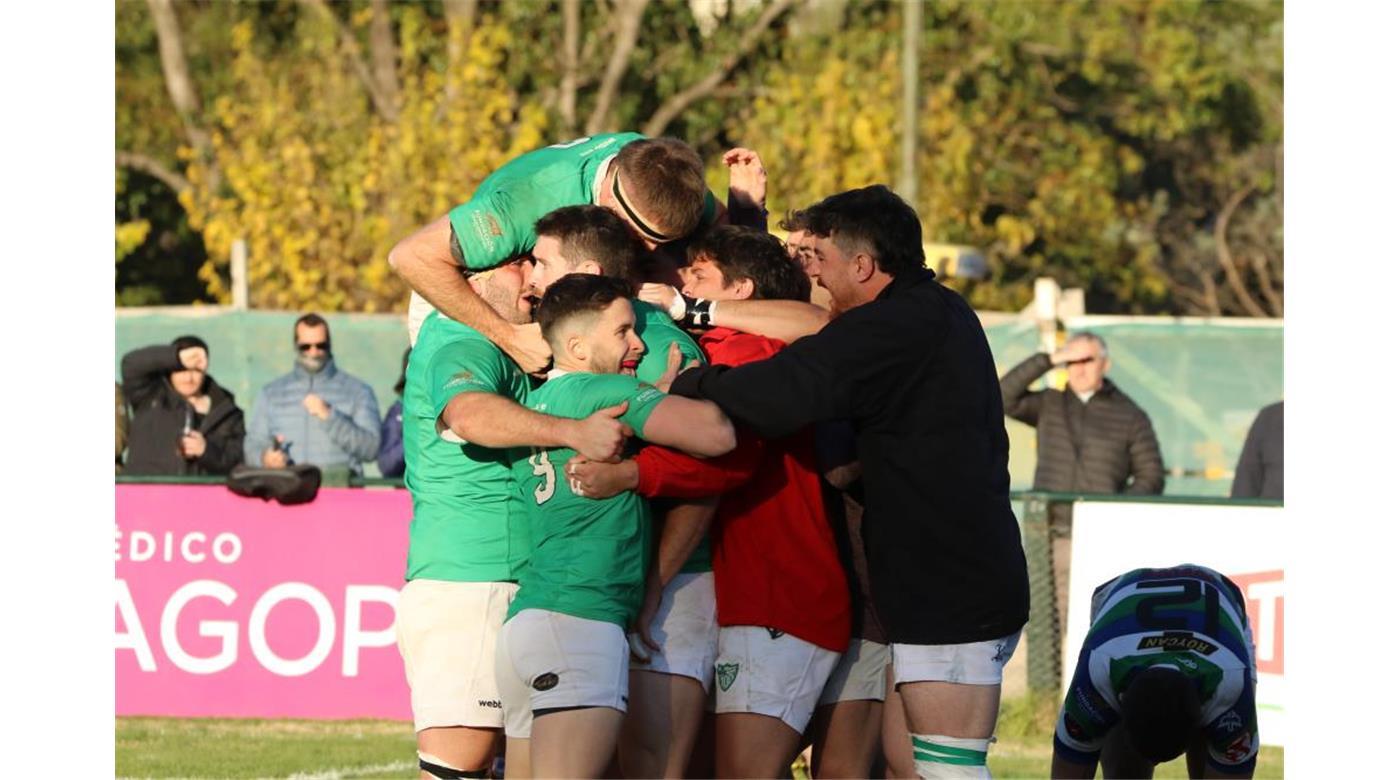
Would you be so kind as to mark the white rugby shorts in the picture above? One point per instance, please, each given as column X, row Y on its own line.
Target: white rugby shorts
column 768, row 672
column 447, row 636
column 687, row 629
column 972, row 663
column 859, row 675
column 549, row 660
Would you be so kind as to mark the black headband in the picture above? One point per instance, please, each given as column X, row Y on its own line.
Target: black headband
column 632, row 215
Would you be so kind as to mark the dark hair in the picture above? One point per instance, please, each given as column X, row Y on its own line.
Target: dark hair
column 794, row 221
column 185, row 342
column 575, row 294
column 665, row 180
column 1161, row 712
column 312, row 320
column 871, row 218
column 403, row 372
column 594, row 233
column 745, row 253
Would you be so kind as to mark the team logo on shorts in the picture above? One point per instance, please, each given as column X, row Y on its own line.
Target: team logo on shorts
column 774, row 633
column 1003, row 651
column 545, row 681
column 726, row 674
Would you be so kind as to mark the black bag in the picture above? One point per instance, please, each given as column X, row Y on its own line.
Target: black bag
column 291, row 485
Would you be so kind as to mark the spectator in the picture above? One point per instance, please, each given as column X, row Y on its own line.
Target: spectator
column 391, row 432
column 123, row 423
column 315, row 415
column 183, row 422
column 1259, row 474
column 1090, row 438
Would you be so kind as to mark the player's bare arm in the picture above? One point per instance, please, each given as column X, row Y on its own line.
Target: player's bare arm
column 696, row 428
column 494, row 421
column 424, row 260
column 783, row 320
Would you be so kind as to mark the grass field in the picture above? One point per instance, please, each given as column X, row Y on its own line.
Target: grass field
column 174, row 747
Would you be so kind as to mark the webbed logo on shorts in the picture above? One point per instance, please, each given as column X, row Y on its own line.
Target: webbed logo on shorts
column 545, row 681
column 493, row 704
column 1177, row 641
column 726, row 673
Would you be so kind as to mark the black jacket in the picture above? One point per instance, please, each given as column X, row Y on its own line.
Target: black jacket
column 1115, row 442
column 913, row 373
column 1259, row 474
column 158, row 419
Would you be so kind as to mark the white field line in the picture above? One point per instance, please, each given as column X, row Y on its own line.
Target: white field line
column 372, row 770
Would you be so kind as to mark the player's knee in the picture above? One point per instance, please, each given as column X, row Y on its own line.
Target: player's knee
column 439, row 768
column 949, row 758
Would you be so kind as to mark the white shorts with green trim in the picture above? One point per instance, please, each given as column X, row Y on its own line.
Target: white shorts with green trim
column 972, row 663
column 687, row 629
column 768, row 672
column 859, row 675
column 447, row 636
column 548, row 660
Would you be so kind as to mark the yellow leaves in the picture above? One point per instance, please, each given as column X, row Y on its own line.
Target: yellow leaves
column 321, row 186
column 1016, row 233
column 131, row 235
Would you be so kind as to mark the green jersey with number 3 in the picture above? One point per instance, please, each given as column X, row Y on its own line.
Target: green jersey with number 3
column 588, row 558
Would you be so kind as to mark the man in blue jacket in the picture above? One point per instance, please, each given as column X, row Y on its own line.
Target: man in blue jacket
column 315, row 415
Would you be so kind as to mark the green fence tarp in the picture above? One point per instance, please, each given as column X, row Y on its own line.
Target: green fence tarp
column 1201, row 381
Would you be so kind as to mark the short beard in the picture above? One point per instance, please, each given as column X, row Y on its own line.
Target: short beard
column 595, row 366
column 502, row 302
column 314, row 365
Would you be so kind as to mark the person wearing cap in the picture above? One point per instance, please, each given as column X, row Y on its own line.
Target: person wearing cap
column 183, row 423
column 317, row 414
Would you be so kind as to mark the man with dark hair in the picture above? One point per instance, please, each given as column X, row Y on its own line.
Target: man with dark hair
column 656, row 187
column 317, row 414
column 593, row 240
column 783, row 603
column 1167, row 667
column 468, row 541
column 562, row 655
column 908, row 363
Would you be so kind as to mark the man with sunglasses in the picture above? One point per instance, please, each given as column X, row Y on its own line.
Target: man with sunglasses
column 317, row 414
column 1090, row 438
column 656, row 185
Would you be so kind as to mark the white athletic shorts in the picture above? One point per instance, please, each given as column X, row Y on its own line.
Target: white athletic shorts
column 768, row 672
column 973, row 663
column 548, row 660
column 687, row 629
column 447, row 636
column 859, row 675
column 418, row 310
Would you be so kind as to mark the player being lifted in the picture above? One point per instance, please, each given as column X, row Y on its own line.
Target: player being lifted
column 1167, row 667
column 668, row 688
column 468, row 539
column 562, row 655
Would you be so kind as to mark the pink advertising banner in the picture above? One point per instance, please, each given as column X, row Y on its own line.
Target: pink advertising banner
column 232, row 607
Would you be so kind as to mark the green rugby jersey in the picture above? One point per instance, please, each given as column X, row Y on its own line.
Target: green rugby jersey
column 468, row 524
column 588, row 558
column 498, row 222
column 657, row 331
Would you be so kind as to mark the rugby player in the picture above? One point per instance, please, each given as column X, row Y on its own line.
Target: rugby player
column 669, row 684
column 908, row 363
column 784, row 608
column 468, row 541
column 1167, row 667
column 656, row 185
column 562, row 655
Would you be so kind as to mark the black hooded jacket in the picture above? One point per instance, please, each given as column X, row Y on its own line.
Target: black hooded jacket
column 158, row 416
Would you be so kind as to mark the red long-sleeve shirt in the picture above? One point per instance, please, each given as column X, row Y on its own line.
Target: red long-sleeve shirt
column 774, row 549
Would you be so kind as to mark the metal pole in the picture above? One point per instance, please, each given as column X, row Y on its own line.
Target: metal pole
column 908, row 169
column 238, row 270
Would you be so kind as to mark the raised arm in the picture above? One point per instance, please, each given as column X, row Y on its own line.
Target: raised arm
column 142, row 370
column 1018, row 401
column 786, row 321
column 425, row 261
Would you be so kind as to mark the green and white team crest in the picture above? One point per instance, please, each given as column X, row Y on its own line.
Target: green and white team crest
column 726, row 674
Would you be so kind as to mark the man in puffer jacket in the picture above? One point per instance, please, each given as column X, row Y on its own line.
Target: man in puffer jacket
column 1090, row 438
column 183, row 423
column 317, row 414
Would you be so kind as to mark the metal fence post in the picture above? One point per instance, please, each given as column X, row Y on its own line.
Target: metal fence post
column 1042, row 642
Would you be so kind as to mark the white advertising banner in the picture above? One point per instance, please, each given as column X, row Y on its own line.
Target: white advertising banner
column 1244, row 543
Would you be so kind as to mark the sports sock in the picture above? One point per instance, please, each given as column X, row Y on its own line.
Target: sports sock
column 944, row 758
